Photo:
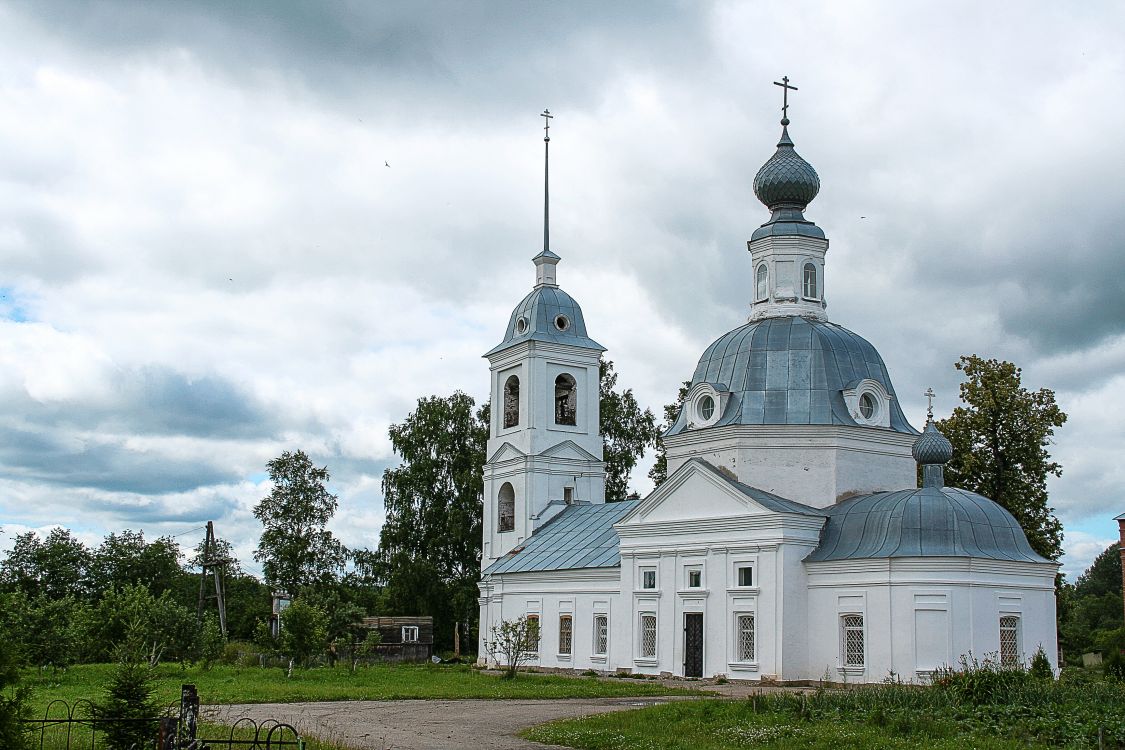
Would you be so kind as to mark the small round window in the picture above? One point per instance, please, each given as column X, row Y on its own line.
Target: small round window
column 867, row 406
column 521, row 326
column 562, row 322
column 706, row 408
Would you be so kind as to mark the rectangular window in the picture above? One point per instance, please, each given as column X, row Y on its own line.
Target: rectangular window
column 745, row 576
column 852, row 637
column 531, row 637
column 746, row 638
column 566, row 627
column 694, row 579
column 409, row 633
column 648, row 636
column 601, row 634
column 648, row 579
column 1009, row 640
column 568, row 495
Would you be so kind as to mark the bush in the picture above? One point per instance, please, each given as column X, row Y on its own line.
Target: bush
column 1114, row 666
column 1040, row 667
column 240, row 654
column 13, row 698
column 129, row 696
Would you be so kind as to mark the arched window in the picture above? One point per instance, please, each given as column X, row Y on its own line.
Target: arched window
column 810, row 289
column 511, row 402
column 761, row 283
column 566, row 400
column 506, row 508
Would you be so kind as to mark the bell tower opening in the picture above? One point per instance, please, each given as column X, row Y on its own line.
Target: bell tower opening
column 566, row 400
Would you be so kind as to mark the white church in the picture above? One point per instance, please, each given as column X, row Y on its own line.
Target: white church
column 790, row 540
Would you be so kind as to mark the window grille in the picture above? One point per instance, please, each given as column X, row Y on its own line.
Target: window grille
column 409, row 634
column 810, row 281
column 511, row 402
column 531, row 639
column 648, row 636
column 1009, row 640
column 506, row 508
column 566, row 628
column 746, row 637
column 601, row 634
column 853, row 640
column 761, row 283
column 566, row 400
column 746, row 576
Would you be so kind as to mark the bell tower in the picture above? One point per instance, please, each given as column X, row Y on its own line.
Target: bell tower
column 544, row 442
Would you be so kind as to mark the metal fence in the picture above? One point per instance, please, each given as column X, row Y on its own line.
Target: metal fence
column 80, row 726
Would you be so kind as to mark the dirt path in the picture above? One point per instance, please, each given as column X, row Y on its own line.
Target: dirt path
column 427, row 724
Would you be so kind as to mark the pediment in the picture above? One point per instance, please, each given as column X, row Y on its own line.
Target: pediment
column 695, row 491
column 569, row 449
column 506, row 452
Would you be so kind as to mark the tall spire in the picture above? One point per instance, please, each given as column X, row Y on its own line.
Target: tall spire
column 546, row 261
column 547, row 116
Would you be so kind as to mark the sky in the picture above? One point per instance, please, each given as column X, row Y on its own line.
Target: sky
column 228, row 230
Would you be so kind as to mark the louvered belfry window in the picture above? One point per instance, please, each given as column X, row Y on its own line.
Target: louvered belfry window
column 648, row 636
column 746, row 637
column 1009, row 640
column 853, row 640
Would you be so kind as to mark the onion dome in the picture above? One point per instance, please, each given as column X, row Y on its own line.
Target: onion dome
column 932, row 447
column 786, row 180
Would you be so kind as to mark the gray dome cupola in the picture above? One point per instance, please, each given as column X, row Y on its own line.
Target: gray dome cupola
column 547, row 314
column 786, row 182
column 932, row 450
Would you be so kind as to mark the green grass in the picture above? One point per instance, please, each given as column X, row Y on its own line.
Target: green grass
column 228, row 684
column 979, row 709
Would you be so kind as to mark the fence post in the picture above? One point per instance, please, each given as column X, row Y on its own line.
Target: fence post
column 189, row 715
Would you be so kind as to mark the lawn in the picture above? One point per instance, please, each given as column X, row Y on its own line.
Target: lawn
column 994, row 713
column 229, row 684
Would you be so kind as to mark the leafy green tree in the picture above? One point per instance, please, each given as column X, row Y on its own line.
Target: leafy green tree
column 13, row 696
column 126, row 559
column 1090, row 610
column 429, row 547
column 296, row 549
column 57, row 567
column 627, row 430
column 1104, row 574
column 659, row 471
column 304, row 632
column 1000, row 438
column 165, row 627
column 45, row 628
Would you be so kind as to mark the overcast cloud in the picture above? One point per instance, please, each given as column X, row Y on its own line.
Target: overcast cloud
column 205, row 258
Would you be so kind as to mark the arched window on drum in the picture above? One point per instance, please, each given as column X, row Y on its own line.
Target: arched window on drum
column 811, row 289
column 566, row 400
column 761, row 283
column 511, row 402
column 506, row 508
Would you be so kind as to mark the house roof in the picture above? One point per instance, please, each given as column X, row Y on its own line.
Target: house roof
column 580, row 536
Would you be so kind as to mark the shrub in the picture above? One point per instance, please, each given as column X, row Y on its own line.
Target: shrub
column 239, row 654
column 1114, row 666
column 129, row 696
column 13, row 698
column 1040, row 667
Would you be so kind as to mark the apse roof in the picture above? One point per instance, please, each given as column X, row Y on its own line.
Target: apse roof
column 791, row 370
column 580, row 536
column 925, row 522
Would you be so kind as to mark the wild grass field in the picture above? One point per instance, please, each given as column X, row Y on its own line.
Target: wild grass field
column 992, row 711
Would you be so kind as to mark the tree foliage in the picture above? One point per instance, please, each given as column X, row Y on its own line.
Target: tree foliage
column 511, row 643
column 304, row 632
column 296, row 549
column 627, row 430
column 659, row 471
column 129, row 696
column 1000, row 437
column 429, row 547
column 57, row 567
column 126, row 559
column 1090, row 610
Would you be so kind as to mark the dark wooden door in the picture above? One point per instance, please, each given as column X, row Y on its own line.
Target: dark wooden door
column 693, row 644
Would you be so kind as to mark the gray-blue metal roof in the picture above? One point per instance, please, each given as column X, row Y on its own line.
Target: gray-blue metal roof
column 925, row 522
column 791, row 370
column 580, row 536
column 539, row 309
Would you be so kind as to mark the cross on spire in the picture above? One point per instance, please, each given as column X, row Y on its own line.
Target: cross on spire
column 929, row 394
column 784, row 84
column 547, row 116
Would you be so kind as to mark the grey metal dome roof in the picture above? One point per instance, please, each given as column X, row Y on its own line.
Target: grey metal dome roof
column 932, row 447
column 791, row 370
column 925, row 522
column 539, row 310
column 786, row 178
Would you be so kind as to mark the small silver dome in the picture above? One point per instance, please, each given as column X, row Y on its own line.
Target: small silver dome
column 932, row 447
column 786, row 179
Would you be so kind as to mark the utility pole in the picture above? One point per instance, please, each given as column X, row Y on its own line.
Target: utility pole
column 212, row 562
